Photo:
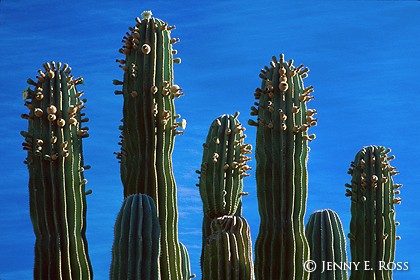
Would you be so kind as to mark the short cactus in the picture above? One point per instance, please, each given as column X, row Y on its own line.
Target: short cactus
column 281, row 156
column 56, row 173
column 135, row 253
column 372, row 227
column 227, row 253
column 327, row 244
column 149, row 127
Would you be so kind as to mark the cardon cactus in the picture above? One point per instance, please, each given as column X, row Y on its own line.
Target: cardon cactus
column 372, row 227
column 135, row 253
column 223, row 167
column 222, row 171
column 56, row 179
column 149, row 128
column 327, row 244
column 227, row 253
column 282, row 182
column 186, row 265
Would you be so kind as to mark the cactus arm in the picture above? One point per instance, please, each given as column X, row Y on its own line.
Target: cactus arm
column 372, row 226
column 56, row 181
column 281, row 156
column 149, row 128
column 225, row 255
column 223, row 167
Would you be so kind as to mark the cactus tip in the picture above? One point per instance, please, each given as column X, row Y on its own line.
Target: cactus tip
column 146, row 15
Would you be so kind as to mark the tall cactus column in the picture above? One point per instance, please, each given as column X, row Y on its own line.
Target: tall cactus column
column 149, row 128
column 221, row 188
column 56, row 180
column 281, row 154
column 372, row 227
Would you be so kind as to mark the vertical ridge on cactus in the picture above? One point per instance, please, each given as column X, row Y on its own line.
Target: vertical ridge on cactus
column 135, row 252
column 186, row 265
column 149, row 128
column 281, row 154
column 221, row 184
column 56, row 174
column 228, row 250
column 372, row 226
column 327, row 243
column 223, row 167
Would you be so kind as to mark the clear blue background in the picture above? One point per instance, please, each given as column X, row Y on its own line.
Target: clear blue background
column 365, row 66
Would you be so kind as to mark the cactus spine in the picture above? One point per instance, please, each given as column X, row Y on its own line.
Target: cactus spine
column 56, row 178
column 281, row 154
column 221, row 184
column 327, row 243
column 372, row 226
column 149, row 128
column 135, row 253
column 227, row 253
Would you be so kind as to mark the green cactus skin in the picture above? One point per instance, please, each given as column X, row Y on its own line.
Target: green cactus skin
column 327, row 243
column 281, row 157
column 206, row 230
column 223, row 167
column 372, row 226
column 135, row 253
column 222, row 171
column 149, row 128
column 186, row 266
column 228, row 252
column 56, row 178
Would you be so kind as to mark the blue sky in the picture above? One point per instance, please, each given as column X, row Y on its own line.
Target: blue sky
column 364, row 60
